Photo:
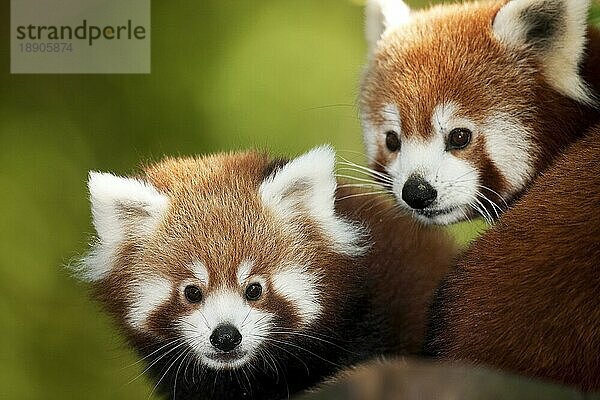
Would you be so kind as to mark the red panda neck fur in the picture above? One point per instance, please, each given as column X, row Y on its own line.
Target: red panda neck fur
column 222, row 223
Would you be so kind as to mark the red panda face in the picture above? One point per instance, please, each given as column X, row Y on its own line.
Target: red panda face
column 450, row 98
column 215, row 259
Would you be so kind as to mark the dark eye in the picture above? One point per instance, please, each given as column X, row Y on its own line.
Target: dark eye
column 392, row 141
column 193, row 294
column 458, row 138
column 253, row 291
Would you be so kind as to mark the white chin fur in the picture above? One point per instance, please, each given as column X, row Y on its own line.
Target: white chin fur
column 452, row 217
column 224, row 365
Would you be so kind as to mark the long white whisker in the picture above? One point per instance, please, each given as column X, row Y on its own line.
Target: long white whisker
column 363, row 169
column 353, row 164
column 170, row 342
column 360, row 195
column 181, row 343
column 495, row 208
column 303, row 349
column 166, row 371
column 354, row 178
column 478, row 206
column 313, row 337
column 359, row 185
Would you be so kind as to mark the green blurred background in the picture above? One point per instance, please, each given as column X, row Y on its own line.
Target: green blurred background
column 281, row 75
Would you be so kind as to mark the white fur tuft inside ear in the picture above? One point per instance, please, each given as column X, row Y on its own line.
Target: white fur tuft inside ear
column 556, row 31
column 121, row 208
column 306, row 186
column 382, row 16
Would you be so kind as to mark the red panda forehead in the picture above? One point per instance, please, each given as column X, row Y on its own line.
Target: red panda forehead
column 220, row 231
column 227, row 171
column 216, row 219
column 444, row 55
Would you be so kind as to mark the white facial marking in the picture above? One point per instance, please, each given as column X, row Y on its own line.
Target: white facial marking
column 370, row 139
column 147, row 294
column 121, row 207
column 509, row 146
column 200, row 272
column 301, row 288
column 374, row 136
column 457, row 182
column 306, row 185
column 454, row 179
column 562, row 51
column 226, row 306
column 391, row 117
column 243, row 271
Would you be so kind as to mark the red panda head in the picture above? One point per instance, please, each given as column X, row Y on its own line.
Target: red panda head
column 463, row 104
column 219, row 255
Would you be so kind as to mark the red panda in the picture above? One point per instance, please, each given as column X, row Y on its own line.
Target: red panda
column 526, row 295
column 463, row 105
column 239, row 276
column 466, row 108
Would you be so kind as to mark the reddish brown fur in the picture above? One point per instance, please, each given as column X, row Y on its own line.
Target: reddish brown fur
column 449, row 53
column 216, row 216
column 406, row 264
column 526, row 295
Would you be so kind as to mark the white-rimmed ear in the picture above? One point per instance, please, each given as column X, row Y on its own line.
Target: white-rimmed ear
column 555, row 30
column 121, row 208
column 382, row 16
column 306, row 186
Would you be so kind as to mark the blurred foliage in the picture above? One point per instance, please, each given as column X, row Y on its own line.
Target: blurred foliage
column 280, row 75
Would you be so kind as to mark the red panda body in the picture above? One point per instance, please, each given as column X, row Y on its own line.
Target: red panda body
column 238, row 276
column 526, row 295
column 493, row 109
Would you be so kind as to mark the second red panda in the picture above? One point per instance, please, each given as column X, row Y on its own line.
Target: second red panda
column 463, row 105
column 484, row 107
column 239, row 276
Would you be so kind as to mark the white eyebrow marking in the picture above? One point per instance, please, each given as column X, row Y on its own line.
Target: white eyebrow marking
column 244, row 271
column 391, row 118
column 200, row 271
column 444, row 118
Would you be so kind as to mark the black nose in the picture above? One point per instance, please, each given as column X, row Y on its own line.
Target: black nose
column 418, row 193
column 225, row 337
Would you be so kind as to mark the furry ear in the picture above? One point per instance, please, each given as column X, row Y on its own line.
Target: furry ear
column 382, row 16
column 121, row 208
column 555, row 30
column 124, row 206
column 307, row 185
